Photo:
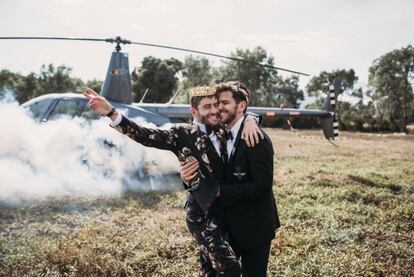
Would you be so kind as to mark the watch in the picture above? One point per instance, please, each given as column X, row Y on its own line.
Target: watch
column 111, row 112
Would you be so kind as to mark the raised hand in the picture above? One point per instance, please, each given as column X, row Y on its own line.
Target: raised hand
column 97, row 103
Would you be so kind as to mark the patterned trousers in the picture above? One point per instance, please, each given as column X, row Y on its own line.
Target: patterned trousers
column 217, row 258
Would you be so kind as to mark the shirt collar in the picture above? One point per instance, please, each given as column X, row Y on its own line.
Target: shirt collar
column 235, row 129
column 203, row 128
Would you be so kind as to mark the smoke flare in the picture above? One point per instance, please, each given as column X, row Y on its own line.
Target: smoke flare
column 71, row 156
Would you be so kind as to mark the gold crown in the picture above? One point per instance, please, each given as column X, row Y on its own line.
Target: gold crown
column 202, row 91
column 235, row 87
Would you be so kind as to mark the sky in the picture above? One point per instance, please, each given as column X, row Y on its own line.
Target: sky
column 307, row 36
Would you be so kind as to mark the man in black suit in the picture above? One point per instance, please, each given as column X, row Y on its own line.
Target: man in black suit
column 246, row 196
column 189, row 142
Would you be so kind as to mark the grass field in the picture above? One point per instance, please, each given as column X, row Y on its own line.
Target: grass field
column 345, row 211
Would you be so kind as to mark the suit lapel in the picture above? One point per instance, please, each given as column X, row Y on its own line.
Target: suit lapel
column 211, row 150
column 205, row 147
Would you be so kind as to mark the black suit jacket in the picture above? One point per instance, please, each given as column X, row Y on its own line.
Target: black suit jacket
column 186, row 141
column 247, row 196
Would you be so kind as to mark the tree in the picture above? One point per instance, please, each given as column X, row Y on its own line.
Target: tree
column 51, row 79
column 320, row 84
column 266, row 86
column 288, row 92
column 196, row 72
column 25, row 89
column 391, row 77
column 358, row 115
column 56, row 80
column 22, row 86
column 159, row 76
column 260, row 80
column 94, row 84
column 9, row 80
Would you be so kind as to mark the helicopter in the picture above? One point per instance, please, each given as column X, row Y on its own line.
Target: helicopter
column 117, row 90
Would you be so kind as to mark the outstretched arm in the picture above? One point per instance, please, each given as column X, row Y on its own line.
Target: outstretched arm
column 161, row 139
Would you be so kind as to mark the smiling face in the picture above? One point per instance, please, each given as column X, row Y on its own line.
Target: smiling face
column 230, row 110
column 207, row 111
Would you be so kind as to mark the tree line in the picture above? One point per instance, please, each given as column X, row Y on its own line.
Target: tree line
column 385, row 105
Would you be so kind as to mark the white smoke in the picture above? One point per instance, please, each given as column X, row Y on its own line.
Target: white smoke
column 72, row 157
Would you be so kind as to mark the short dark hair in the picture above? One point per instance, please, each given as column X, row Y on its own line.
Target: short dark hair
column 239, row 91
column 195, row 100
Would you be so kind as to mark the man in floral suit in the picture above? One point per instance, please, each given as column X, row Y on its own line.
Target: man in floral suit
column 204, row 141
column 246, row 194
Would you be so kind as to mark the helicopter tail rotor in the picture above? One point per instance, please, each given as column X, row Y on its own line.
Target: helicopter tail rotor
column 330, row 124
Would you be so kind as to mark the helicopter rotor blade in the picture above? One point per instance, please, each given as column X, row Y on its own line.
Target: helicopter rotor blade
column 56, row 38
column 118, row 40
column 218, row 56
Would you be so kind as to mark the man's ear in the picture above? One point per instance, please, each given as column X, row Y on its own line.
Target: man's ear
column 242, row 105
column 194, row 112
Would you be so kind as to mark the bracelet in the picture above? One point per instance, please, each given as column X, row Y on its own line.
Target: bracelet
column 111, row 112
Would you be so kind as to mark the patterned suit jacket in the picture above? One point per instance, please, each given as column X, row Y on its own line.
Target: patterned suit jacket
column 187, row 142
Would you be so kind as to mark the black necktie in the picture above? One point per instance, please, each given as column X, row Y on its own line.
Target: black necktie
column 208, row 130
column 222, row 137
column 229, row 135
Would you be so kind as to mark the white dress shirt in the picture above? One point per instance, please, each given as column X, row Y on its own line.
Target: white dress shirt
column 234, row 131
column 116, row 121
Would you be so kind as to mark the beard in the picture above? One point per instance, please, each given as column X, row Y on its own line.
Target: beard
column 204, row 119
column 229, row 117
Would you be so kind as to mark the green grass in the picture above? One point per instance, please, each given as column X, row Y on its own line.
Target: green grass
column 345, row 211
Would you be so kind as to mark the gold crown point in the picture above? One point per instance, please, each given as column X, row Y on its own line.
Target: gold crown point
column 202, row 91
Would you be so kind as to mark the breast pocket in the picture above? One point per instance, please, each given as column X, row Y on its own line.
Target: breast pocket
column 239, row 173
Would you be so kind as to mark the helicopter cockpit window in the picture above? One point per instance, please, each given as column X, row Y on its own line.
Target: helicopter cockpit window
column 68, row 108
column 39, row 108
